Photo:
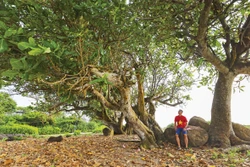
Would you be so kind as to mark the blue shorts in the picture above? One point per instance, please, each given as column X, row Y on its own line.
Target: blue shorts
column 179, row 130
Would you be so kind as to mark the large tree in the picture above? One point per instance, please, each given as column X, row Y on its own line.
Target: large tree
column 90, row 51
column 215, row 36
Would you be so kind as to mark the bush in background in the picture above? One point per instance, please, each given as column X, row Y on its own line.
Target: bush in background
column 35, row 118
column 99, row 129
column 18, row 129
column 49, row 130
column 77, row 132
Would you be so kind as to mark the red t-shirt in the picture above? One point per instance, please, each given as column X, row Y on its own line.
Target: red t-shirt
column 181, row 121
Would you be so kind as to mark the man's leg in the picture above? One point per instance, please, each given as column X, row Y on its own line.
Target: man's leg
column 177, row 133
column 178, row 140
column 186, row 140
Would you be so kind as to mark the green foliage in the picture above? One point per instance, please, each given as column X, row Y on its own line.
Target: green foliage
column 7, row 104
column 77, row 132
column 70, row 124
column 91, row 126
column 48, row 130
column 66, row 124
column 18, row 129
column 4, row 119
column 99, row 129
column 35, row 118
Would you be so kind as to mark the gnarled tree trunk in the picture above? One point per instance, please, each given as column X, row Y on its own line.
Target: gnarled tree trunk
column 145, row 134
column 221, row 125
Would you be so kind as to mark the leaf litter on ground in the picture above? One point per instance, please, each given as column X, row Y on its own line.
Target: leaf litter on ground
column 119, row 151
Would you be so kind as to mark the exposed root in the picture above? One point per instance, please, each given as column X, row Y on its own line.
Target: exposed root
column 237, row 141
column 238, row 148
column 241, row 131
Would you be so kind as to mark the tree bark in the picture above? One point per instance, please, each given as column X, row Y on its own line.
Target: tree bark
column 221, row 125
column 141, row 103
column 145, row 134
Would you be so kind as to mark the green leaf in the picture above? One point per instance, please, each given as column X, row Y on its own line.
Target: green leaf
column 23, row 45
column 9, row 32
column 32, row 41
column 218, row 44
column 10, row 73
column 98, row 80
column 24, row 62
column 35, row 51
column 3, row 46
column 16, row 64
column 20, row 31
column 2, row 25
column 47, row 50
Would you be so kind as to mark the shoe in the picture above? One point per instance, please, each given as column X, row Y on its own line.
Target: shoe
column 179, row 148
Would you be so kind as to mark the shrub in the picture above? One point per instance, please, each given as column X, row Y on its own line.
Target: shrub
column 91, row 126
column 77, row 132
column 48, row 130
column 18, row 129
column 35, row 118
column 4, row 119
column 66, row 124
column 99, row 129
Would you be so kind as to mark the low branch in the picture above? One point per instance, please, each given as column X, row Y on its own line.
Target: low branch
column 104, row 101
column 111, row 77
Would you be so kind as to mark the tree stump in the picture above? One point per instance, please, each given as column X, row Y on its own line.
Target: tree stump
column 108, row 132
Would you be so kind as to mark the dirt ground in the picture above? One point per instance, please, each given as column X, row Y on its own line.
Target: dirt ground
column 119, row 151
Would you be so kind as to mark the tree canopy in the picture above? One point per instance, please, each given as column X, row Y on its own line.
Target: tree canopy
column 123, row 59
column 7, row 104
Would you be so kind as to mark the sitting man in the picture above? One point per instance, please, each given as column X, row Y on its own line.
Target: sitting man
column 180, row 125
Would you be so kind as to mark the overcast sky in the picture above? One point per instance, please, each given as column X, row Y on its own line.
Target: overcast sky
column 201, row 106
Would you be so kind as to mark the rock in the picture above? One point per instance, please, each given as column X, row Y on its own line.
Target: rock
column 55, row 139
column 198, row 121
column 241, row 131
column 197, row 136
column 11, row 137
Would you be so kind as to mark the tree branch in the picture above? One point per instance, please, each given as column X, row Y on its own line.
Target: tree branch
column 111, row 77
column 104, row 101
column 219, row 12
column 201, row 39
column 242, row 68
column 244, row 44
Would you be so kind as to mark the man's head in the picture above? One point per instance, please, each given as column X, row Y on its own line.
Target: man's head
column 180, row 112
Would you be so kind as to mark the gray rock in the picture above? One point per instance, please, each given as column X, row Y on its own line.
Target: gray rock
column 197, row 136
column 198, row 121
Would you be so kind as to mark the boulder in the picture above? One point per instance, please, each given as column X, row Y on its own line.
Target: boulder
column 197, row 136
column 198, row 121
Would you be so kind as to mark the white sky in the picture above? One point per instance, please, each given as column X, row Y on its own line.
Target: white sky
column 200, row 105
